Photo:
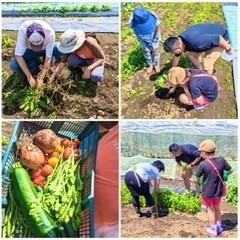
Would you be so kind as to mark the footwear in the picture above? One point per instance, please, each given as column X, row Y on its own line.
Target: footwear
column 147, row 214
column 157, row 69
column 212, row 230
column 219, row 227
column 149, row 69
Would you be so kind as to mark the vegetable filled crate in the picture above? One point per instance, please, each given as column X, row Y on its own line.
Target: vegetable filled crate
column 87, row 133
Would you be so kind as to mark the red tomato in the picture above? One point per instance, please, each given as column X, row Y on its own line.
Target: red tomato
column 77, row 141
column 47, row 170
column 66, row 143
column 36, row 173
column 54, row 154
column 39, row 181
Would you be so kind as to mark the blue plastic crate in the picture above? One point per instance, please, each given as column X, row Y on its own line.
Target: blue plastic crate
column 87, row 133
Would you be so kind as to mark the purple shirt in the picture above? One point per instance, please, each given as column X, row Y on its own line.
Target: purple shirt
column 212, row 185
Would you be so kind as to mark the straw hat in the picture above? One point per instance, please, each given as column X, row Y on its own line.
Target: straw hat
column 207, row 145
column 176, row 75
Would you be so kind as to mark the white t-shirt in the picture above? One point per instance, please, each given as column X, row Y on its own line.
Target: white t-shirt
column 23, row 42
column 146, row 171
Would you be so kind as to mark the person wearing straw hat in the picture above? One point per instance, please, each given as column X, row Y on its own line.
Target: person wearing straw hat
column 188, row 158
column 80, row 51
column 138, row 180
column 35, row 39
column 146, row 27
column 212, row 169
column 209, row 39
column 200, row 89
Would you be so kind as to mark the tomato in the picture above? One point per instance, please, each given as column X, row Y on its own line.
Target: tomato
column 47, row 170
column 39, row 181
column 54, row 154
column 36, row 173
column 67, row 152
column 74, row 145
column 59, row 148
column 53, row 161
column 77, row 141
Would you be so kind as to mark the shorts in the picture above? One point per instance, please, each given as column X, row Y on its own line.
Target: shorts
column 205, row 103
column 211, row 201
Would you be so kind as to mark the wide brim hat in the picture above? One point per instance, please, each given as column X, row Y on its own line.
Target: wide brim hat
column 207, row 145
column 176, row 75
column 71, row 40
column 143, row 21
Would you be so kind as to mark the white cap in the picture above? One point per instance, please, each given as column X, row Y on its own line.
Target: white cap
column 225, row 56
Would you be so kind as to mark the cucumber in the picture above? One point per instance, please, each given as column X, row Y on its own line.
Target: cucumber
column 24, row 192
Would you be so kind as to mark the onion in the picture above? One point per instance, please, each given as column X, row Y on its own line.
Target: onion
column 31, row 156
column 46, row 140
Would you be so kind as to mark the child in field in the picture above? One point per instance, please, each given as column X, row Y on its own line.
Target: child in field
column 200, row 89
column 212, row 189
column 146, row 27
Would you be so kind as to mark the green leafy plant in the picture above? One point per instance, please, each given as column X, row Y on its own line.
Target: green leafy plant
column 94, row 8
column 106, row 8
column 232, row 188
column 5, row 140
column 7, row 42
column 185, row 202
column 161, row 80
column 83, row 8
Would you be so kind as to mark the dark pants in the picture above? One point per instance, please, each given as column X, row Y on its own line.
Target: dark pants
column 138, row 188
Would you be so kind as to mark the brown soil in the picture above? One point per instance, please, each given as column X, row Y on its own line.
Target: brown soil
column 95, row 101
column 176, row 224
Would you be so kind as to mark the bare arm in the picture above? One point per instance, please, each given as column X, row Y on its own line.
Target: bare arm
column 175, row 61
column 58, row 69
column 224, row 44
column 156, row 185
column 46, row 66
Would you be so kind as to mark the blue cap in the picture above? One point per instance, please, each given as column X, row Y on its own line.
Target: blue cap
column 143, row 21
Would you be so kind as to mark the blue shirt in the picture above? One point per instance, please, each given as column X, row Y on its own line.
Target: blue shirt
column 204, row 36
column 146, row 171
column 203, row 85
column 189, row 154
column 212, row 185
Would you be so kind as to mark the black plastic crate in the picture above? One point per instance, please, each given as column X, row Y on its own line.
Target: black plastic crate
column 87, row 133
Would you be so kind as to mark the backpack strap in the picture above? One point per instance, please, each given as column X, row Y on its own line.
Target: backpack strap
column 215, row 169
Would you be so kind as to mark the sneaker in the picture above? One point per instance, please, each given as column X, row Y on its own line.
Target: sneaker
column 149, row 69
column 212, row 230
column 219, row 228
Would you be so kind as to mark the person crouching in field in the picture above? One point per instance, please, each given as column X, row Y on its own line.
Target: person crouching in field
column 35, row 39
column 80, row 50
column 138, row 180
column 212, row 189
column 200, row 89
column 146, row 27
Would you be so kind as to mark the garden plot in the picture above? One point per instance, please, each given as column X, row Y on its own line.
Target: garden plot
column 66, row 98
column 138, row 88
column 176, row 224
